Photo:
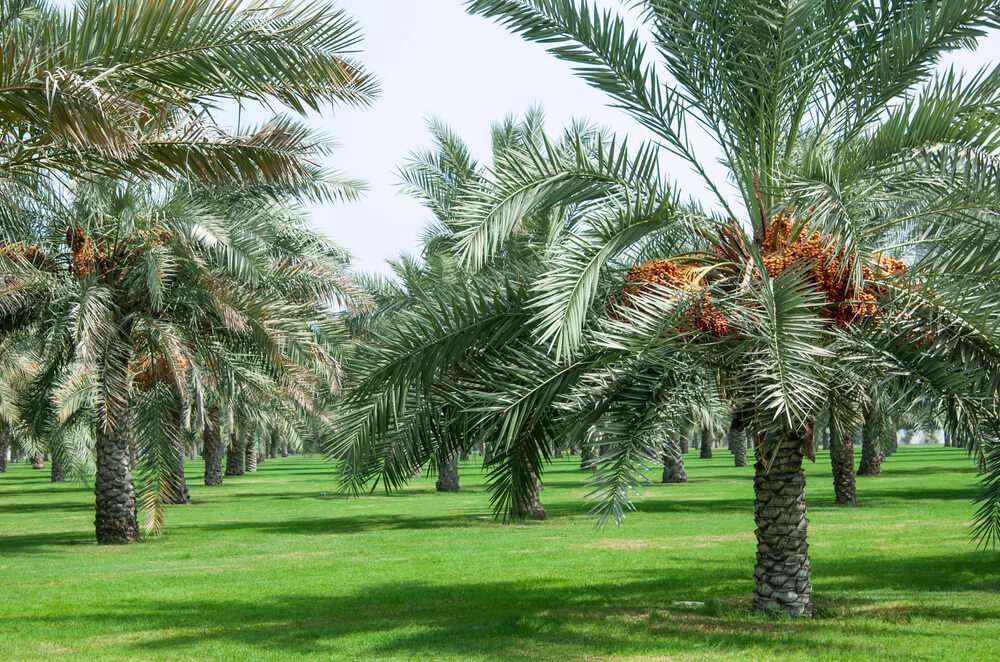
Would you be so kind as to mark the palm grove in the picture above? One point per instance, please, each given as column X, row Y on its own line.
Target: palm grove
column 161, row 286
column 851, row 279
column 158, row 277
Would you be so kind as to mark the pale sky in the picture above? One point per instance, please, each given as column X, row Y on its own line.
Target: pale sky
column 434, row 60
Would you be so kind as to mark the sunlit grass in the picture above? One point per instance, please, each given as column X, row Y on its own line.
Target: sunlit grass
column 266, row 568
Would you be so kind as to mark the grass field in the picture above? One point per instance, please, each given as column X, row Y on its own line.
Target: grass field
column 265, row 568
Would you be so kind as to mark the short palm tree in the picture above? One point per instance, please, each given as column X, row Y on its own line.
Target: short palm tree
column 148, row 302
column 835, row 131
column 411, row 395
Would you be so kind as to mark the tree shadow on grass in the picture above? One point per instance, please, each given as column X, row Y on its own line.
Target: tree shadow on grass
column 31, row 542
column 58, row 506
column 538, row 617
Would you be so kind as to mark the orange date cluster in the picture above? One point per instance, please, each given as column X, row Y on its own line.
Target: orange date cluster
column 827, row 267
column 31, row 254
column 702, row 315
column 820, row 257
column 145, row 372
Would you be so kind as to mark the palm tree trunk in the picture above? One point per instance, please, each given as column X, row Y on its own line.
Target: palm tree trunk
column 685, row 444
column 871, row 452
column 530, row 507
column 842, row 462
column 235, row 456
column 447, row 474
column 179, row 493
column 673, row 463
column 587, row 456
column 38, row 461
column 251, row 461
column 57, row 474
column 737, row 439
column 706, row 445
column 782, row 573
column 211, row 448
column 116, row 522
column 4, row 449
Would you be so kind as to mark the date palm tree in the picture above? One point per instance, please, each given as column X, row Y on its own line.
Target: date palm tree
column 408, row 401
column 148, row 301
column 835, row 131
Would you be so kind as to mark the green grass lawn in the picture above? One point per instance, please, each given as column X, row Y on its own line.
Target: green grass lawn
column 265, row 568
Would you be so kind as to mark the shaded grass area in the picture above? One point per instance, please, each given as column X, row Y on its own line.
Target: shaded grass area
column 265, row 568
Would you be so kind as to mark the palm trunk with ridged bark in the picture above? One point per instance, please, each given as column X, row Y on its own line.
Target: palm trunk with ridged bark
column 706, row 445
column 38, row 460
column 871, row 452
column 211, row 448
column 179, row 493
column 530, row 507
column 251, row 457
column 4, row 449
column 116, row 521
column 737, row 439
column 447, row 474
column 673, row 463
column 842, row 463
column 235, row 456
column 782, row 573
column 57, row 475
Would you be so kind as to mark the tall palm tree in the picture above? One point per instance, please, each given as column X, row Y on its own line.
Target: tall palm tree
column 834, row 129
